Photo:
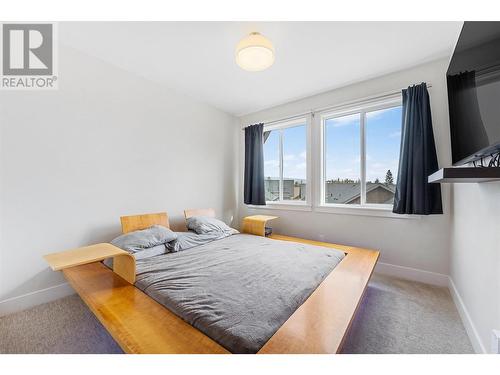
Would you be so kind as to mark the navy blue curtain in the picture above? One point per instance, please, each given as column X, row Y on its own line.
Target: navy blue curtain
column 417, row 160
column 254, row 165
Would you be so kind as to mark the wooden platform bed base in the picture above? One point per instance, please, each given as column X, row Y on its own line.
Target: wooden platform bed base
column 139, row 324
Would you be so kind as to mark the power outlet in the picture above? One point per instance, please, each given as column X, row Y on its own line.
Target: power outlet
column 495, row 341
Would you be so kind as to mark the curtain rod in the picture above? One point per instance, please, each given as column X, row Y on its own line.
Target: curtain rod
column 321, row 109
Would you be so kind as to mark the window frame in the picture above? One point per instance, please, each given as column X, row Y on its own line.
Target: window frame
column 282, row 125
column 361, row 109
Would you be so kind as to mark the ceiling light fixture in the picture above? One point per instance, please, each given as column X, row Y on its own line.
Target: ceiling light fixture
column 255, row 53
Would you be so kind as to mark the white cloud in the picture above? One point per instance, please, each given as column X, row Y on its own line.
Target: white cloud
column 272, row 163
column 377, row 165
column 377, row 114
column 379, row 169
column 294, row 166
column 295, row 170
column 301, row 166
column 395, row 135
column 344, row 121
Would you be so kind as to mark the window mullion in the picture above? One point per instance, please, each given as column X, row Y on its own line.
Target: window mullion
column 281, row 184
column 323, row 163
column 362, row 158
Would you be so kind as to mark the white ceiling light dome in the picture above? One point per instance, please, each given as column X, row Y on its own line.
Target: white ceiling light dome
column 255, row 53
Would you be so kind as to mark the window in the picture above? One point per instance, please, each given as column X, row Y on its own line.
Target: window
column 383, row 138
column 361, row 155
column 285, row 162
column 342, row 156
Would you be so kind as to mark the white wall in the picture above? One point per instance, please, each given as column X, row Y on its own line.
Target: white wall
column 475, row 258
column 106, row 144
column 417, row 243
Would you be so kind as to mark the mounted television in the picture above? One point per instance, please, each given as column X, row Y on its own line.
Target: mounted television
column 473, row 79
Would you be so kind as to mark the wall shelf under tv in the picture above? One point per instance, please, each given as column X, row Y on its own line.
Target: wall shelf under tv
column 465, row 174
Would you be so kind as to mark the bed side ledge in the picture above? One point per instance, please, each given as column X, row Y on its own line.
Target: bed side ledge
column 123, row 262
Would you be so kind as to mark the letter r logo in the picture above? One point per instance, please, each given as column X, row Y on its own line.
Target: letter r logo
column 27, row 49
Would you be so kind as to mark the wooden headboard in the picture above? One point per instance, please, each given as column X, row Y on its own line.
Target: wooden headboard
column 210, row 212
column 138, row 222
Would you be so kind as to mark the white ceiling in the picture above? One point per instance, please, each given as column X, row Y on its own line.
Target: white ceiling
column 197, row 58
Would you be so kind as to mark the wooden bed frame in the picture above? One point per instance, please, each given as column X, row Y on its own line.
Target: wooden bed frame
column 141, row 325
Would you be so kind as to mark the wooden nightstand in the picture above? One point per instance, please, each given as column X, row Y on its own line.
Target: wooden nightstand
column 256, row 224
column 123, row 262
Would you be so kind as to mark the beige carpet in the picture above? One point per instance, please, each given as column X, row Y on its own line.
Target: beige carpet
column 399, row 316
column 62, row 326
column 396, row 316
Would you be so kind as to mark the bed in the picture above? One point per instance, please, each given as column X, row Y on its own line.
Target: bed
column 157, row 314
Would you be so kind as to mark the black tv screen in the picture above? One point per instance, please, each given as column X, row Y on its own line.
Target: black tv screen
column 473, row 79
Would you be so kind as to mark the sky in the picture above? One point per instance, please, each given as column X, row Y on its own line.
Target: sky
column 383, row 135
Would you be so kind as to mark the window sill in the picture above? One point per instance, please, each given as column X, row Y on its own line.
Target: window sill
column 282, row 206
column 385, row 211
column 336, row 210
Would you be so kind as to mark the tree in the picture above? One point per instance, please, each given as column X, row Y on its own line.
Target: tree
column 388, row 178
column 377, row 181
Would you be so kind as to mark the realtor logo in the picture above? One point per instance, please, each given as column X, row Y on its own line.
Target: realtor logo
column 28, row 56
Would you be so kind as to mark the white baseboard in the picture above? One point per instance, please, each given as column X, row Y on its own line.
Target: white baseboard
column 413, row 274
column 32, row 299
column 466, row 319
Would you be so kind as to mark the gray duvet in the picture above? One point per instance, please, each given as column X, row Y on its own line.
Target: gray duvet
column 238, row 290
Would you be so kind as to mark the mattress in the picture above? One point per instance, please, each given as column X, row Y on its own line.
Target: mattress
column 238, row 290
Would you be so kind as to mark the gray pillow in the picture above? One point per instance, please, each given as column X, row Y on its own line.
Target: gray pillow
column 140, row 240
column 151, row 251
column 146, row 253
column 204, row 224
column 187, row 240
